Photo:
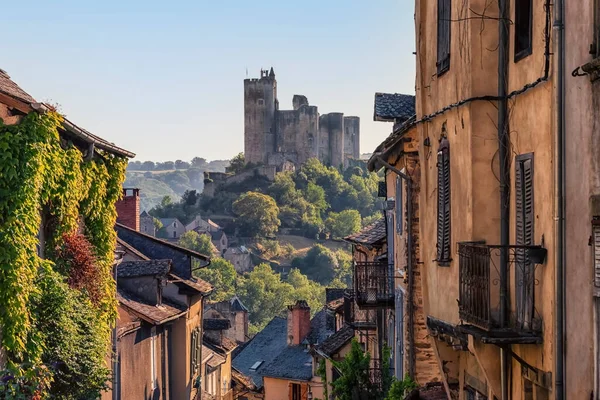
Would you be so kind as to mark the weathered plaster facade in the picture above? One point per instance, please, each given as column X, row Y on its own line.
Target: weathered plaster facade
column 281, row 137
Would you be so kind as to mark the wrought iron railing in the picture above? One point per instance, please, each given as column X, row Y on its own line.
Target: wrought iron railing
column 356, row 317
column 378, row 372
column 373, row 284
column 480, row 285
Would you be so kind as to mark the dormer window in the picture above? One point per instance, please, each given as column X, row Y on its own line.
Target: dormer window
column 256, row 365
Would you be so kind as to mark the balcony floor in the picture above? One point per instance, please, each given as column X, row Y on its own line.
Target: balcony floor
column 501, row 336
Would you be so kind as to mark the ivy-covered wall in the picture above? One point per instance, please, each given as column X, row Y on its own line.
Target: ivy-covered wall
column 45, row 178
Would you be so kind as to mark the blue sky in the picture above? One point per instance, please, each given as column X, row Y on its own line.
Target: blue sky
column 165, row 79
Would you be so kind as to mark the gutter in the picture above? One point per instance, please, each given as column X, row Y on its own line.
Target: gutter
column 411, row 278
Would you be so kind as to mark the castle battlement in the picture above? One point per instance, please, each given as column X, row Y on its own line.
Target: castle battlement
column 291, row 137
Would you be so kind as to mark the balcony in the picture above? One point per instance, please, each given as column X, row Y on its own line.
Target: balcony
column 480, row 287
column 373, row 284
column 377, row 374
column 361, row 319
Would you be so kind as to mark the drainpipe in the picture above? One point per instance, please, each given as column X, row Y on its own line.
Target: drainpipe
column 560, row 172
column 115, row 361
column 411, row 278
column 504, row 154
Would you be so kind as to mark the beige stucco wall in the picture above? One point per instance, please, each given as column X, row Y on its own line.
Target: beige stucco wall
column 582, row 174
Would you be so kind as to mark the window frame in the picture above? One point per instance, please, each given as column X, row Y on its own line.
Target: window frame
column 528, row 50
column 153, row 371
column 444, row 216
column 444, row 36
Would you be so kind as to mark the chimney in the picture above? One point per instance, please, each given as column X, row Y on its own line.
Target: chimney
column 128, row 209
column 298, row 322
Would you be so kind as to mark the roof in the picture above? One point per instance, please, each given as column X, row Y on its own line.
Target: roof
column 150, row 312
column 216, row 324
column 319, row 331
column 131, row 249
column 242, row 379
column 391, row 141
column 237, row 305
column 393, row 106
column 336, row 341
column 294, row 362
column 217, row 235
column 168, row 221
column 144, row 214
column 213, row 224
column 195, row 283
column 370, row 235
column 334, row 305
column 211, row 358
column 9, row 88
column 265, row 346
column 130, row 269
column 227, row 345
column 333, row 294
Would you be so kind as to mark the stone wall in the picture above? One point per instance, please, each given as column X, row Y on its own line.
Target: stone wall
column 351, row 138
column 260, row 97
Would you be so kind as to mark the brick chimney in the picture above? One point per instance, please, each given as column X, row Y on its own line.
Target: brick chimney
column 298, row 322
column 128, row 208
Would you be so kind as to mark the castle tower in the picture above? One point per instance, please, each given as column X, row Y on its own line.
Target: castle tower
column 260, row 108
column 351, row 138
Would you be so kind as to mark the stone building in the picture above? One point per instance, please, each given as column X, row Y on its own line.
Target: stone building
column 283, row 138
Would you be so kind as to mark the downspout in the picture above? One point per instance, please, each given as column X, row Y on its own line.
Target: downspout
column 409, row 289
column 561, row 239
column 115, row 360
column 504, row 154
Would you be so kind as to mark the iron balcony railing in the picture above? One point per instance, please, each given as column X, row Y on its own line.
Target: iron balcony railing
column 480, row 286
column 378, row 372
column 356, row 317
column 373, row 284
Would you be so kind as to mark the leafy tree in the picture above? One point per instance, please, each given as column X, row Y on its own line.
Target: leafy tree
column 344, row 223
column 305, row 289
column 147, row 166
column 198, row 162
column 157, row 224
column 316, row 196
column 169, row 165
column 201, row 243
column 222, row 275
column 400, row 389
column 237, row 163
column 319, row 264
column 370, row 219
column 343, row 273
column 166, row 201
column 179, row 164
column 134, row 166
column 354, row 382
column 257, row 214
column 195, row 175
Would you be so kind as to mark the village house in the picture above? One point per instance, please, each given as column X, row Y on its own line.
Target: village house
column 235, row 312
column 147, row 224
column 277, row 362
column 172, row 229
column 161, row 311
column 240, row 257
column 217, row 381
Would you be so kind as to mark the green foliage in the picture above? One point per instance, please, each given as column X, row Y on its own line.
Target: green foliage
column 343, row 273
column 25, row 381
column 319, row 264
column 322, row 373
column 371, row 219
column 354, row 381
column 257, row 214
column 222, row 275
column 201, row 243
column 400, row 389
column 269, row 248
column 157, row 224
column 237, row 163
column 344, row 223
column 38, row 175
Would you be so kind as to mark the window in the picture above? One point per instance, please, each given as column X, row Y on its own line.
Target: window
column 443, row 36
column 595, row 47
column 196, row 351
column 261, row 102
column 523, row 24
column 524, row 279
column 443, row 214
column 153, row 358
column 296, row 391
column 399, row 206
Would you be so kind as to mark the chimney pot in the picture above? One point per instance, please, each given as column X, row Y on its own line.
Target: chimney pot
column 128, row 208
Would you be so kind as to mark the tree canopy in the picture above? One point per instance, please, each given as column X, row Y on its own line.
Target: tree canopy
column 257, row 214
column 201, row 243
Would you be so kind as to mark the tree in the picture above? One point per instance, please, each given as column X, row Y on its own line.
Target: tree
column 148, row 166
column 166, row 201
column 221, row 274
column 237, row 163
column 344, row 223
column 201, row 243
column 316, row 196
column 319, row 264
column 198, row 162
column 354, row 381
column 257, row 214
column 169, row 165
column 179, row 164
column 157, row 224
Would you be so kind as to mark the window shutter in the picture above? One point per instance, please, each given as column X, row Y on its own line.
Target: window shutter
column 443, row 36
column 524, row 221
column 443, row 217
column 596, row 233
column 390, row 251
column 193, row 352
column 399, row 206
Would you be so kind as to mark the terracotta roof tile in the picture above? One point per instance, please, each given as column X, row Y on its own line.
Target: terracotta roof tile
column 370, row 235
column 10, row 88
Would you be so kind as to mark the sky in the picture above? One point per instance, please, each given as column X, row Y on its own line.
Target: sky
column 165, row 79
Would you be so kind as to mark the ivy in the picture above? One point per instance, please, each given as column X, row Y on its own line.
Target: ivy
column 42, row 174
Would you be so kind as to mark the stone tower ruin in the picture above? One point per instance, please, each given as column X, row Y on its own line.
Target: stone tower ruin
column 288, row 138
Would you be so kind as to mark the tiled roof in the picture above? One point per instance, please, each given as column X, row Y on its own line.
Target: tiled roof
column 149, row 312
column 333, row 294
column 207, row 353
column 216, row 324
column 264, row 346
column 334, row 305
column 242, row 379
column 9, row 88
column 225, row 346
column 131, row 249
column 370, row 235
column 215, row 359
column 207, row 396
column 393, row 139
column 130, row 269
column 432, row 391
column 237, row 305
column 335, row 342
column 195, row 283
column 391, row 106
column 319, row 331
column 294, row 362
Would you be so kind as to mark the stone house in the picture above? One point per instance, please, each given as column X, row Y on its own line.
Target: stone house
column 147, row 290
column 147, row 224
column 235, row 312
column 277, row 362
column 240, row 257
column 217, row 382
column 172, row 229
column 219, row 240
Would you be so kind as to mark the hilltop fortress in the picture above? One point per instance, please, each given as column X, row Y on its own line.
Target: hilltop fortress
column 285, row 139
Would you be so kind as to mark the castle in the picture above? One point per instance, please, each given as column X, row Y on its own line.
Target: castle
column 288, row 138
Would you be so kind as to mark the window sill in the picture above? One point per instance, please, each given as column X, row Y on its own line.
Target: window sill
column 523, row 54
column 443, row 263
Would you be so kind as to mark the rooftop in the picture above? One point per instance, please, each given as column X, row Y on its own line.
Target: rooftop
column 335, row 342
column 130, row 269
column 151, row 313
column 370, row 235
column 293, row 362
column 216, row 324
column 393, row 106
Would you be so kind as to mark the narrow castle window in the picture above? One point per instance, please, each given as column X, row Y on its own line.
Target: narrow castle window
column 261, row 102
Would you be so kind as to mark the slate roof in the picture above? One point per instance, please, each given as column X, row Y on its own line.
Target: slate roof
column 9, row 88
column 333, row 294
column 225, row 346
column 150, row 312
column 195, row 283
column 131, row 249
column 319, row 330
column 391, row 141
column 370, row 235
column 217, row 235
column 237, row 305
column 130, row 269
column 392, row 106
column 335, row 342
column 144, row 214
column 265, row 346
column 168, row 221
column 216, row 324
column 293, row 362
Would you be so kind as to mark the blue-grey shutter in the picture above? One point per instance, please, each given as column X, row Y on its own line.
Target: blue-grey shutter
column 390, row 251
column 399, row 206
column 443, row 216
column 443, row 35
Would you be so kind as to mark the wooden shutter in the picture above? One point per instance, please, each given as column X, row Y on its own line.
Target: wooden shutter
column 391, row 259
column 443, row 36
column 193, row 352
column 524, row 224
column 596, row 238
column 443, row 217
column 399, row 206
